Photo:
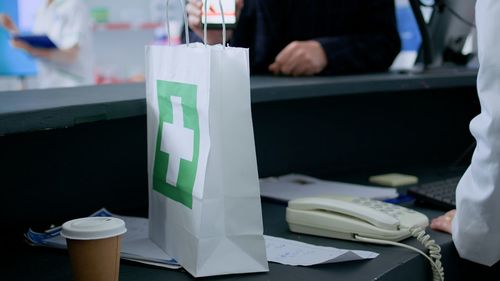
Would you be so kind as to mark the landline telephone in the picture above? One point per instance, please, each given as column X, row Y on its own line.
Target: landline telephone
column 362, row 219
column 349, row 217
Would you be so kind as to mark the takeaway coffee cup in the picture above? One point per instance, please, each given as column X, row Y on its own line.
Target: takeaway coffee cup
column 94, row 247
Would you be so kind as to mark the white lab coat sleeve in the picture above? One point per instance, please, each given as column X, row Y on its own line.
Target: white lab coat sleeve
column 476, row 227
column 76, row 25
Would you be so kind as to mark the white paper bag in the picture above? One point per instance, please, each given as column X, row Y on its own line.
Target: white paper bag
column 204, row 200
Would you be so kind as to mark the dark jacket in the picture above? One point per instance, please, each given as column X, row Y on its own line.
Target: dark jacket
column 357, row 35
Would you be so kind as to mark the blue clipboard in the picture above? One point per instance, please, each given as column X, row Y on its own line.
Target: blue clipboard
column 37, row 41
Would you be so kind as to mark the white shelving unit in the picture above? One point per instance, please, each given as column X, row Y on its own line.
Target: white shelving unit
column 119, row 41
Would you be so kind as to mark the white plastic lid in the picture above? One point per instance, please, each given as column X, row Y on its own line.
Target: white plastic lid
column 93, row 228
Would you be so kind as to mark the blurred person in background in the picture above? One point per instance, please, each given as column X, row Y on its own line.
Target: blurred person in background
column 67, row 23
column 302, row 38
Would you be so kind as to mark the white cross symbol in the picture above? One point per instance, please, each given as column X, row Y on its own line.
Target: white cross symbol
column 177, row 141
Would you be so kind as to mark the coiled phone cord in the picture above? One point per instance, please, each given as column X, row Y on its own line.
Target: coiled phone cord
column 422, row 237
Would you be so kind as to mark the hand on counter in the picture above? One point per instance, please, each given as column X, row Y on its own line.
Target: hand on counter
column 443, row 223
column 300, row 58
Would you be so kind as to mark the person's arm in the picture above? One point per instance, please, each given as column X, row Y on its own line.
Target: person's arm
column 476, row 226
column 300, row 58
column 372, row 47
column 7, row 23
column 61, row 56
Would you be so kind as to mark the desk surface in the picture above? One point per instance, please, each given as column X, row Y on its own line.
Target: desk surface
column 393, row 263
column 33, row 157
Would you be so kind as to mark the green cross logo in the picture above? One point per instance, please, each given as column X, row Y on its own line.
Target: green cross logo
column 177, row 142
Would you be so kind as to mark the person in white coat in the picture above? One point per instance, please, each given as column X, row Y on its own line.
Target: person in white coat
column 67, row 23
column 475, row 224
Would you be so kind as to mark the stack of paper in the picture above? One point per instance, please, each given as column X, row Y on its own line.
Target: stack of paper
column 293, row 186
column 135, row 245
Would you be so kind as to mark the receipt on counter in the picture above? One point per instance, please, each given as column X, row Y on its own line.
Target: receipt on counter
column 296, row 253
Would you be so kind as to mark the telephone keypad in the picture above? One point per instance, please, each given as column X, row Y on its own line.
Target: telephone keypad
column 392, row 210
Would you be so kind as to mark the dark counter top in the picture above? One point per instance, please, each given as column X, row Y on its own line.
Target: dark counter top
column 31, row 110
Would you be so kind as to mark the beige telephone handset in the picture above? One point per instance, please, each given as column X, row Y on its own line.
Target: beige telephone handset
column 362, row 219
column 349, row 217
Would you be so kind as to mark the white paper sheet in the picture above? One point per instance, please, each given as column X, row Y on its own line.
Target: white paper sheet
column 296, row 253
column 293, row 186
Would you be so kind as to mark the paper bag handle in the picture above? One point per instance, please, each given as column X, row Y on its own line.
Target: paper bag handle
column 205, row 6
column 186, row 28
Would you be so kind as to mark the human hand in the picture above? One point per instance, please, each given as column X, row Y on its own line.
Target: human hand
column 22, row 45
column 36, row 52
column 194, row 10
column 443, row 223
column 7, row 23
column 300, row 58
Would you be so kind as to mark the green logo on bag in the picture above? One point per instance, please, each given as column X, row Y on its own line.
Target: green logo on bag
column 177, row 142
